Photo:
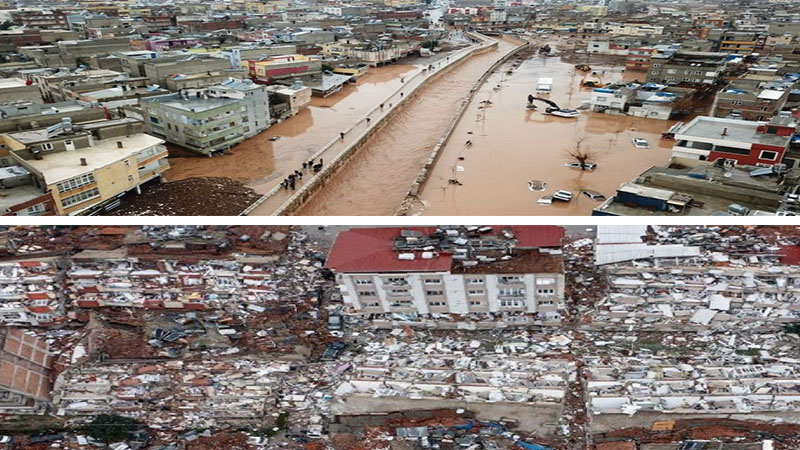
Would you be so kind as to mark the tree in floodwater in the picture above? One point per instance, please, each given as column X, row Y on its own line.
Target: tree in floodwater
column 580, row 155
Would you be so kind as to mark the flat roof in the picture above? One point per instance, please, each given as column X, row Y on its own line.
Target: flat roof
column 735, row 130
column 60, row 166
column 6, row 83
column 199, row 104
column 646, row 191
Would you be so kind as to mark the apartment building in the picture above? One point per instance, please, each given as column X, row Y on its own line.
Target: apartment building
column 279, row 67
column 686, row 67
column 746, row 142
column 49, row 20
column 80, row 168
column 753, row 97
column 209, row 120
column 25, row 363
column 516, row 270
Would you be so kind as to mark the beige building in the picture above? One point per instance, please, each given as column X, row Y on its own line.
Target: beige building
column 83, row 167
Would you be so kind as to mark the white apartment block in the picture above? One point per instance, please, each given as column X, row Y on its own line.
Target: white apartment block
column 515, row 271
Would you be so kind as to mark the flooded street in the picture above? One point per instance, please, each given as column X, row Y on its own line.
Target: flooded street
column 261, row 163
column 513, row 145
column 376, row 179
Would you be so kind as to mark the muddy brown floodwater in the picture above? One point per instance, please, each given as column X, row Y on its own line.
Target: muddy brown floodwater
column 261, row 163
column 375, row 180
column 512, row 145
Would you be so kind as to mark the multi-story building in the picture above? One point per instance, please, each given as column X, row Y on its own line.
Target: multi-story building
column 25, row 363
column 80, row 168
column 209, row 120
column 711, row 138
column 279, row 67
column 686, row 67
column 753, row 97
column 49, row 20
column 511, row 271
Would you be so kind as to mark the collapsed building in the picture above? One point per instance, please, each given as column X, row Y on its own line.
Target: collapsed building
column 24, row 372
column 29, row 292
column 425, row 276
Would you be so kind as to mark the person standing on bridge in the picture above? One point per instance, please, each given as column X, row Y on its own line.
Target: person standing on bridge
column 342, row 135
column 368, row 120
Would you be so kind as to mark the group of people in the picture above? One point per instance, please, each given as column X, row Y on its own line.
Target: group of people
column 291, row 181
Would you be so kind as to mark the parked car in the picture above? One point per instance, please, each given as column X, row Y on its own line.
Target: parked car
column 334, row 350
column 257, row 440
column 5, row 439
column 640, row 143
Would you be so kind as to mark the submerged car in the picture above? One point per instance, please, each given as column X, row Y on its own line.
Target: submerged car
column 640, row 143
column 586, row 166
column 545, row 200
column 563, row 195
column 594, row 195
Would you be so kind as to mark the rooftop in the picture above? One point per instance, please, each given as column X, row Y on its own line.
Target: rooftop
column 735, row 130
column 60, row 166
column 379, row 249
column 7, row 83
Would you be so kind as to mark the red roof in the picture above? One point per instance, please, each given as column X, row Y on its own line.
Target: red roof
column 40, row 309
column 790, row 254
column 370, row 249
column 30, row 263
column 534, row 236
column 38, row 296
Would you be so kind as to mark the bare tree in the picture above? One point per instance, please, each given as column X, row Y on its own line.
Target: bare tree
column 580, row 155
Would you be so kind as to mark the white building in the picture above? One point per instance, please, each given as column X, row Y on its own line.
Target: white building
column 419, row 271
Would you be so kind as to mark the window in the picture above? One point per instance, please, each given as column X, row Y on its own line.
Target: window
column 476, row 292
column 765, row 154
column 75, row 183
column 362, row 282
column 765, row 108
column 433, row 281
column 511, row 292
column 656, row 66
column 127, row 162
column 511, row 279
column 437, row 303
column 475, row 303
column 736, row 102
column 367, row 294
column 474, row 280
column 545, row 281
column 35, row 210
column 80, row 197
column 399, row 280
column 545, row 291
column 47, row 146
column 601, row 99
column 547, row 302
column 372, row 305
column 432, row 293
column 512, row 303
column 130, row 178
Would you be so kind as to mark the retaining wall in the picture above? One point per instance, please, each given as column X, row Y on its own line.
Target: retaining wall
column 422, row 177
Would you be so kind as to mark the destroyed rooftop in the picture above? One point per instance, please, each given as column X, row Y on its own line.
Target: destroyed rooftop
column 495, row 249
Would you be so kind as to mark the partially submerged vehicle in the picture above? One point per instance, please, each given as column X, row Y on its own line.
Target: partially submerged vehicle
column 566, row 113
column 640, row 143
column 562, row 195
column 584, row 166
column 594, row 195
